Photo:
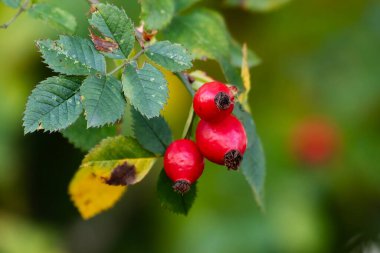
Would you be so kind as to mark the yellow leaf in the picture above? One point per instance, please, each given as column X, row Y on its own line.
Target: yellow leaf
column 243, row 98
column 104, row 175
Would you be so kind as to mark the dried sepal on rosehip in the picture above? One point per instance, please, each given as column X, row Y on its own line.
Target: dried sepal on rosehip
column 183, row 164
column 214, row 101
column 222, row 142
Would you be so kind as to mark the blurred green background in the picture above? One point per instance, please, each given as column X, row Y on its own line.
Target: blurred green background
column 320, row 59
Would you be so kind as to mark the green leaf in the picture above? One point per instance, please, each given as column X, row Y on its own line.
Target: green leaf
column 175, row 202
column 193, row 31
column 153, row 134
column 116, row 148
column 114, row 24
column 12, row 3
column 253, row 165
column 53, row 105
column 237, row 56
column 170, row 56
column 258, row 5
column 55, row 17
column 157, row 14
column 181, row 5
column 72, row 56
column 106, row 172
column 102, row 100
column 145, row 88
column 86, row 138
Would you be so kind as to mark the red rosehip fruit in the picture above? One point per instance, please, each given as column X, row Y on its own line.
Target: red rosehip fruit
column 183, row 164
column 315, row 141
column 214, row 101
column 223, row 142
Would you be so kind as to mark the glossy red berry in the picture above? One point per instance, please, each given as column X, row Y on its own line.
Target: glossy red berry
column 213, row 101
column 222, row 142
column 183, row 164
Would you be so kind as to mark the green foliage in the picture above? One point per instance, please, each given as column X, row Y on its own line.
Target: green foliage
column 86, row 138
column 116, row 148
column 117, row 161
column 258, row 5
column 174, row 202
column 12, row 3
column 170, row 56
column 253, row 165
column 181, row 5
column 105, row 173
column 157, row 14
column 54, row 16
column 153, row 134
column 146, row 89
column 114, row 24
column 102, row 100
column 237, row 56
column 195, row 30
column 53, row 105
column 72, row 56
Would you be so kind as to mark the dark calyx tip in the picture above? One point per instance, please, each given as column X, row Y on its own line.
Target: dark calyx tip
column 222, row 101
column 232, row 159
column 181, row 186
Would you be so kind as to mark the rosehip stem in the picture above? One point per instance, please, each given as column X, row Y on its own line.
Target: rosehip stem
column 189, row 124
column 186, row 82
column 190, row 119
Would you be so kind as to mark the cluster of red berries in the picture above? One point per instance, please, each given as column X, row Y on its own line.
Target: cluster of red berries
column 220, row 137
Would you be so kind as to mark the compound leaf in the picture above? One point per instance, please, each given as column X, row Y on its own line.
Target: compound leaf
column 72, row 56
column 102, row 100
column 53, row 105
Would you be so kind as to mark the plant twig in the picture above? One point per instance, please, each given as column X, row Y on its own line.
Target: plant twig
column 189, row 124
column 185, row 80
column 23, row 8
column 126, row 62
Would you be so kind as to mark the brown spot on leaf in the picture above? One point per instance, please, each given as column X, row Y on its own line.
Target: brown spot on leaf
column 124, row 174
column 106, row 45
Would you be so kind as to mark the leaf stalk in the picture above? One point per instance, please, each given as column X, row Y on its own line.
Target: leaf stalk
column 22, row 9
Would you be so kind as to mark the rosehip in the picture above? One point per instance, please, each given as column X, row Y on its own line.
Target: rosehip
column 213, row 101
column 315, row 141
column 222, row 142
column 183, row 164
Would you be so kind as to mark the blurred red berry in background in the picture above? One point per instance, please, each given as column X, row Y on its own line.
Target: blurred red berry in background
column 315, row 141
